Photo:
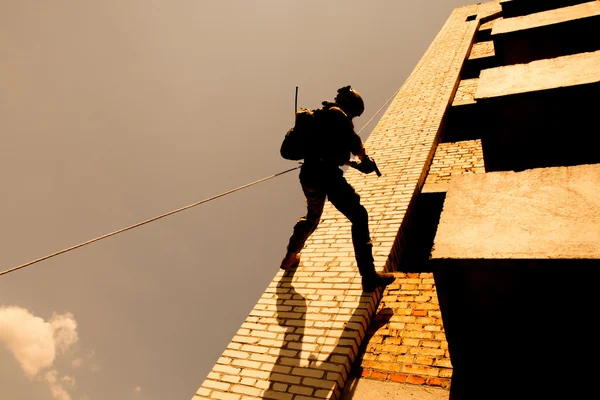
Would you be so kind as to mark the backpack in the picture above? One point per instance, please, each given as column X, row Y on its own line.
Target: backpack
column 295, row 140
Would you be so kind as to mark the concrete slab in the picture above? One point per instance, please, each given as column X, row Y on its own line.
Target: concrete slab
column 545, row 213
column 369, row 389
column 545, row 18
column 566, row 71
column 435, row 188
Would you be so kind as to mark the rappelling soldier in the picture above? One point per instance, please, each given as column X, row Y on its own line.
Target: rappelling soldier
column 324, row 138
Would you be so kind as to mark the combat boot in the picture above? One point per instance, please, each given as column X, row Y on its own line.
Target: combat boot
column 291, row 260
column 375, row 280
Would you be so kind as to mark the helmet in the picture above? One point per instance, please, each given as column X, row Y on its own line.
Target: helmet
column 350, row 101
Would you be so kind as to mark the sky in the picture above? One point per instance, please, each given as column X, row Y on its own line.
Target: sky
column 114, row 112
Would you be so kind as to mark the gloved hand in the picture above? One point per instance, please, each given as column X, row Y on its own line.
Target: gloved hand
column 366, row 166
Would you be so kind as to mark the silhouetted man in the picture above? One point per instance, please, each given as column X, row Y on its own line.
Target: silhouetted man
column 326, row 146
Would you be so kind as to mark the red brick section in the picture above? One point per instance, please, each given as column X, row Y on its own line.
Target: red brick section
column 302, row 336
column 406, row 342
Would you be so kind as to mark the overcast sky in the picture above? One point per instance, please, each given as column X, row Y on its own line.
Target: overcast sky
column 113, row 112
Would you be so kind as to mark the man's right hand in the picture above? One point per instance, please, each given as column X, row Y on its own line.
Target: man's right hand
column 366, row 166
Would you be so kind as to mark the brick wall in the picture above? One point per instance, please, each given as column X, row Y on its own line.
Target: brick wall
column 456, row 158
column 490, row 24
column 465, row 94
column 482, row 49
column 407, row 343
column 301, row 338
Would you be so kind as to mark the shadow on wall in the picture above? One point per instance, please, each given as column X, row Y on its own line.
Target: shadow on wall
column 420, row 233
column 381, row 319
column 520, row 329
column 317, row 373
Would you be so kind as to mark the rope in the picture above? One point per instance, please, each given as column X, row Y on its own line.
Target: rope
column 378, row 111
column 177, row 210
column 146, row 221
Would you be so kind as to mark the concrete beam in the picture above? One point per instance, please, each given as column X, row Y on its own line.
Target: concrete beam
column 546, row 213
column 573, row 70
column 548, row 34
column 545, row 18
column 516, row 262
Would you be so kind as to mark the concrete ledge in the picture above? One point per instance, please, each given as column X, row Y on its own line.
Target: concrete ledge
column 549, row 34
column 435, row 188
column 545, row 18
column 369, row 389
column 577, row 69
column 545, row 213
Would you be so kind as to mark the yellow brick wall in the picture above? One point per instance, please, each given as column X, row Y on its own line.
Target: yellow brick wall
column 457, row 158
column 490, row 24
column 301, row 337
column 482, row 49
column 465, row 94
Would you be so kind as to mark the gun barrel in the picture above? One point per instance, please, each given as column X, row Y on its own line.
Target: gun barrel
column 377, row 170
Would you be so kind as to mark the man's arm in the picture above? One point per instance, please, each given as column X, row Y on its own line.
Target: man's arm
column 366, row 164
column 357, row 147
column 361, row 154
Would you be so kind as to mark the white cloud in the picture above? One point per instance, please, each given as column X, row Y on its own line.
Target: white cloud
column 57, row 389
column 35, row 343
column 65, row 330
column 29, row 338
column 138, row 389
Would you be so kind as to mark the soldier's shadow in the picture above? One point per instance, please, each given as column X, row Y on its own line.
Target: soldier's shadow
column 307, row 363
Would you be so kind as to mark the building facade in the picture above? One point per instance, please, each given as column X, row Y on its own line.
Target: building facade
column 488, row 214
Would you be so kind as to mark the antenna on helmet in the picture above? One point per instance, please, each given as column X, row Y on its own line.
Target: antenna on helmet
column 296, row 102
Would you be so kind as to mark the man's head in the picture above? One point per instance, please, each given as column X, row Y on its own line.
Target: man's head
column 350, row 101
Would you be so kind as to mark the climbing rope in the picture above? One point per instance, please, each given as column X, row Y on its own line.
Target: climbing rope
column 174, row 211
column 378, row 111
column 147, row 221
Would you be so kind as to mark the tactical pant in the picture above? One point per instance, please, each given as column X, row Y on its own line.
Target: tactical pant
column 318, row 183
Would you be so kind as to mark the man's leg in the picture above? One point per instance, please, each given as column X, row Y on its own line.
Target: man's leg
column 347, row 201
column 315, row 201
